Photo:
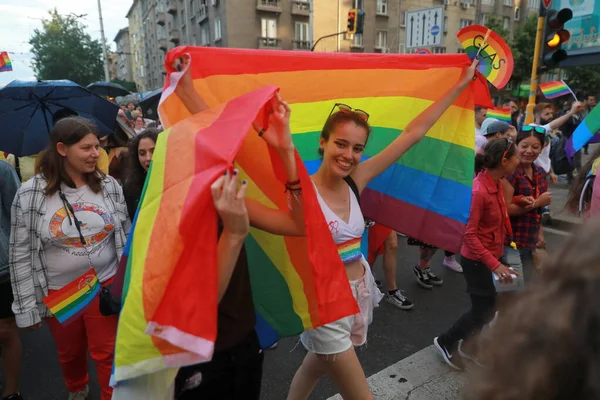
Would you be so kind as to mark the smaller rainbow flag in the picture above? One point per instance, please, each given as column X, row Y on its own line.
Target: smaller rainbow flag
column 502, row 114
column 5, row 63
column 552, row 90
column 72, row 300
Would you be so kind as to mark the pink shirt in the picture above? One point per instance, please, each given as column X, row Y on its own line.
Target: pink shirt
column 595, row 203
column 484, row 237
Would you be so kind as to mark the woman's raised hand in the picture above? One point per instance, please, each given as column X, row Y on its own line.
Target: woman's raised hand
column 468, row 74
column 230, row 204
column 278, row 134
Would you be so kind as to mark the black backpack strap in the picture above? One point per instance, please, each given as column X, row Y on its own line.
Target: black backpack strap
column 353, row 186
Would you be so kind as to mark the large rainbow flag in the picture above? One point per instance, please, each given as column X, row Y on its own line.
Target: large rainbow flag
column 297, row 283
column 169, row 315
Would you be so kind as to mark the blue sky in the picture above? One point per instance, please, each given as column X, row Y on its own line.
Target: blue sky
column 18, row 21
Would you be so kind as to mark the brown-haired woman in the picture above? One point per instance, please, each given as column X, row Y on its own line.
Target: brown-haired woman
column 68, row 219
column 546, row 345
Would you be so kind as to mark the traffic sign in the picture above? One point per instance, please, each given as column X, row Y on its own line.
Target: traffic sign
column 547, row 3
column 424, row 27
column 423, row 51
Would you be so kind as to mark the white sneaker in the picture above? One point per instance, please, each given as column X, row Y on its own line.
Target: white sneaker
column 452, row 264
column 83, row 395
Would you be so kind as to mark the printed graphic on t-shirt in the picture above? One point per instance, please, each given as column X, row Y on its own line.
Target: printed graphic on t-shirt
column 96, row 225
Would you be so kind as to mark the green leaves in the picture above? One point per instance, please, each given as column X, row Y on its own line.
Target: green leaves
column 63, row 50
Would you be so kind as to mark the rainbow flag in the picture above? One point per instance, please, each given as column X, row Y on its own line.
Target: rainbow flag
column 502, row 114
column 5, row 63
column 552, row 90
column 586, row 130
column 169, row 312
column 72, row 300
column 426, row 194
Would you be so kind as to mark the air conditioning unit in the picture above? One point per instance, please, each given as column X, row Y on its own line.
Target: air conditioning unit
column 402, row 48
column 465, row 5
column 385, row 49
column 214, row 3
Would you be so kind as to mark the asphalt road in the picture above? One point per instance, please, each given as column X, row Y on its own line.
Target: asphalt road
column 394, row 335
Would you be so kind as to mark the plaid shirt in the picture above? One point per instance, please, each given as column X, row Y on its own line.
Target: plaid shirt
column 526, row 227
column 28, row 269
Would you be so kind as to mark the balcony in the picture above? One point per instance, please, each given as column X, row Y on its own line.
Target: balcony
column 172, row 7
column 161, row 18
column 300, row 7
column 301, row 45
column 163, row 44
column 174, row 36
column 202, row 14
column 269, row 5
column 269, row 43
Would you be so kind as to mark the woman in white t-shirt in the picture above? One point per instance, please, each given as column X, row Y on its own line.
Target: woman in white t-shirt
column 68, row 219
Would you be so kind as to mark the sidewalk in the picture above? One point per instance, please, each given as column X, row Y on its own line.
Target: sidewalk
column 421, row 376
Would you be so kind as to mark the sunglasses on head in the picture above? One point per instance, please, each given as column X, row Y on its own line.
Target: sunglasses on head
column 509, row 144
column 347, row 109
column 529, row 128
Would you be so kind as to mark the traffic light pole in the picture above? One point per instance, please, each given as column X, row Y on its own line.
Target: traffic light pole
column 325, row 37
column 534, row 69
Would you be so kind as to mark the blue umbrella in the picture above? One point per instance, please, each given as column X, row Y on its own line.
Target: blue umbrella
column 149, row 104
column 27, row 110
column 107, row 89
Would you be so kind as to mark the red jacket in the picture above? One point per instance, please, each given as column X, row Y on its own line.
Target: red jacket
column 484, row 237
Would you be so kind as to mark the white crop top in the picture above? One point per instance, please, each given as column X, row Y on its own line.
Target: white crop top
column 347, row 236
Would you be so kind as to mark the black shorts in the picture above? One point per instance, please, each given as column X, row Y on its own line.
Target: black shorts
column 6, row 300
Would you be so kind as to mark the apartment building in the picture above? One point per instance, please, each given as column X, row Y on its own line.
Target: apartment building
column 136, row 39
column 124, row 69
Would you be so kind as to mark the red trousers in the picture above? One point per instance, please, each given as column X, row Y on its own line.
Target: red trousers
column 377, row 235
column 91, row 332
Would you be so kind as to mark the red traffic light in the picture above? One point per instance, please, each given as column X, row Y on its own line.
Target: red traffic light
column 351, row 15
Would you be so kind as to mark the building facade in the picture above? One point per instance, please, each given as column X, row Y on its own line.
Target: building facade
column 124, row 68
column 136, row 39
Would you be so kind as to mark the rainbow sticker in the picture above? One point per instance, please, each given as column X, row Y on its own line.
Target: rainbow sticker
column 5, row 63
column 496, row 60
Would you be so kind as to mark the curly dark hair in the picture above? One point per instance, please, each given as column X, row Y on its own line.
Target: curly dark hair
column 546, row 345
column 134, row 174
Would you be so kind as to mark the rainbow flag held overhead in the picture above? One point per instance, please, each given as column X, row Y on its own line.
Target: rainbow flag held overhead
column 552, row 90
column 502, row 114
column 73, row 299
column 5, row 63
column 586, row 130
column 169, row 313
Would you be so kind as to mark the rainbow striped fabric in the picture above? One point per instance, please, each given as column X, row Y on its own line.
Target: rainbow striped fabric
column 5, row 63
column 170, row 307
column 552, row 90
column 72, row 300
column 350, row 251
column 586, row 130
column 501, row 114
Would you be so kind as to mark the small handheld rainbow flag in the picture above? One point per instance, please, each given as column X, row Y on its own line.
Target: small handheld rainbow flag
column 72, row 300
column 5, row 63
column 552, row 90
column 502, row 114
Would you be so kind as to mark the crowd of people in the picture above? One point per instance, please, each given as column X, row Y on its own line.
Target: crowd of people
column 73, row 215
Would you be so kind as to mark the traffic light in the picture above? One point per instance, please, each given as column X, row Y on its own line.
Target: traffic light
column 356, row 21
column 554, row 36
column 352, row 21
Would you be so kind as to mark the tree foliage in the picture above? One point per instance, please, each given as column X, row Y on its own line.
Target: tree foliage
column 63, row 50
column 495, row 23
column 583, row 80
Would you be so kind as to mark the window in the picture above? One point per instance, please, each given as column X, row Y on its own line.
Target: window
column 382, row 7
column 269, row 28
column 465, row 22
column 445, row 24
column 534, row 4
column 204, row 35
column 357, row 41
column 142, row 71
column 438, row 50
column 402, row 18
column 381, row 40
column 217, row 28
column 506, row 23
column 461, row 50
column 517, row 13
column 302, row 31
column 488, row 2
column 508, row 3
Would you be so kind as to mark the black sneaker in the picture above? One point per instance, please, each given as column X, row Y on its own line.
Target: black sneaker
column 451, row 358
column 422, row 277
column 433, row 278
column 398, row 300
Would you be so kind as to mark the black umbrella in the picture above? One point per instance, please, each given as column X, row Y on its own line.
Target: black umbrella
column 28, row 110
column 108, row 89
column 149, row 104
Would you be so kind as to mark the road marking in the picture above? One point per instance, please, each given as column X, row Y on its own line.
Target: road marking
column 422, row 375
column 557, row 232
